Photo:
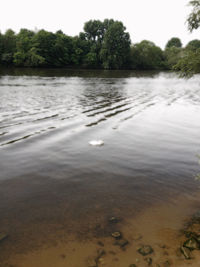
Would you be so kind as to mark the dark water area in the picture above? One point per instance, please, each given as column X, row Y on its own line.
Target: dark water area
column 49, row 173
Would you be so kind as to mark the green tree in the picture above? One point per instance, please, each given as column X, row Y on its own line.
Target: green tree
column 63, row 48
column 193, row 45
column 30, row 59
column 44, row 42
column 147, row 56
column 90, row 59
column 174, row 42
column 79, row 50
column 34, row 59
column 24, row 43
column 95, row 31
column 189, row 63
column 8, row 47
column 94, row 34
column 24, row 40
column 172, row 56
column 1, row 46
column 115, row 49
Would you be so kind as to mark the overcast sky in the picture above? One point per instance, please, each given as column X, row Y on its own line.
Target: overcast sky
column 154, row 20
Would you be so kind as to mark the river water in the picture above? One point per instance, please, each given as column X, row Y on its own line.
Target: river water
column 52, row 181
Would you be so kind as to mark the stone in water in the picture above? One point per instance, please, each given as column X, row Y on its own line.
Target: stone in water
column 121, row 242
column 116, row 235
column 3, row 236
column 145, row 250
column 186, row 252
column 191, row 243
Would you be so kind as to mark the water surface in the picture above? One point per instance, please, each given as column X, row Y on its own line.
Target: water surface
column 51, row 177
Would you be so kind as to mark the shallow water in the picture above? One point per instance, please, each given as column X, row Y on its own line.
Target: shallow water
column 53, row 183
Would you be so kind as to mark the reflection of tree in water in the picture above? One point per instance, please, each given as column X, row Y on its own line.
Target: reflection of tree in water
column 66, row 72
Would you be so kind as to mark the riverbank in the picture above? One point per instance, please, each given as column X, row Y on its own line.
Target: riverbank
column 151, row 238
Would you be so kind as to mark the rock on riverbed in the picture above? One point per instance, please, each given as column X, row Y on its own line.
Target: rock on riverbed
column 3, row 236
column 145, row 250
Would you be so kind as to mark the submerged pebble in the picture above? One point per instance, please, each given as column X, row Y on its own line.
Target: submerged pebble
column 91, row 263
column 122, row 242
column 116, row 235
column 3, row 236
column 100, row 243
column 191, row 243
column 113, row 220
column 100, row 253
column 149, row 261
column 186, row 252
column 145, row 250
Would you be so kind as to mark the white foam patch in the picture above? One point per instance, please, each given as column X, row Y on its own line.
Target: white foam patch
column 96, row 142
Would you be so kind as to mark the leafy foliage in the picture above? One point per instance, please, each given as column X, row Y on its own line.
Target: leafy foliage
column 147, row 56
column 8, row 47
column 189, row 64
column 103, row 44
column 172, row 56
column 115, row 50
column 174, row 42
column 193, row 45
column 194, row 17
column 26, row 54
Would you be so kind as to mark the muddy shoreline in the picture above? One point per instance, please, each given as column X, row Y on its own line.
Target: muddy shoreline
column 48, row 228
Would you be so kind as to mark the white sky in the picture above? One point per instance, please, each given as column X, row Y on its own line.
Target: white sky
column 154, row 20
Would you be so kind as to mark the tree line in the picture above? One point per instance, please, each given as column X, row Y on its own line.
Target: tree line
column 102, row 44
